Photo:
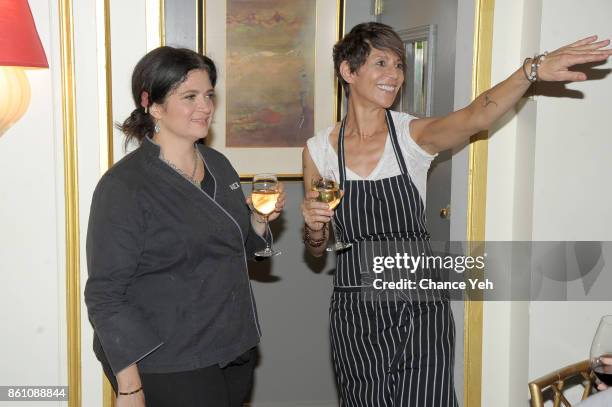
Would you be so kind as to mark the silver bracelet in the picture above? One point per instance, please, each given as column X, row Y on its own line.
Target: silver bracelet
column 536, row 61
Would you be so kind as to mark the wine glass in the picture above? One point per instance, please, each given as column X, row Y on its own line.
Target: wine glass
column 330, row 193
column 602, row 347
column 264, row 196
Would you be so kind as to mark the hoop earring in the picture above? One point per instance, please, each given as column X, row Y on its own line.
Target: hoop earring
column 157, row 127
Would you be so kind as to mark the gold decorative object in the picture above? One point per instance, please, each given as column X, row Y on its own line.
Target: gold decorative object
column 554, row 384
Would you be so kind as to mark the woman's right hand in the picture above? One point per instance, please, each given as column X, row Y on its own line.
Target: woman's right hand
column 316, row 214
column 133, row 400
column 128, row 380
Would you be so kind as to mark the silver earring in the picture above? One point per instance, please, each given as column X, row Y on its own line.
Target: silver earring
column 157, row 127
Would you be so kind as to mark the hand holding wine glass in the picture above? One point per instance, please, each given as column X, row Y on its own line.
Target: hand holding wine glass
column 601, row 353
column 328, row 191
column 265, row 198
column 316, row 214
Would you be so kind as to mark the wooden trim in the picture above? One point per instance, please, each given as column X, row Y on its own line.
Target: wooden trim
column 162, row 23
column 110, row 160
column 477, row 195
column 71, row 196
column 201, row 26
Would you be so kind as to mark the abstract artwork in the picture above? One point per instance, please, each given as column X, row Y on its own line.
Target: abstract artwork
column 270, row 63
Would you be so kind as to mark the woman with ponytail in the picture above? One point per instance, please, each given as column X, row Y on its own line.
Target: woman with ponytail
column 169, row 235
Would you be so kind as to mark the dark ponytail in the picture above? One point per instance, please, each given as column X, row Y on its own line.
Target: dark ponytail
column 137, row 126
column 158, row 73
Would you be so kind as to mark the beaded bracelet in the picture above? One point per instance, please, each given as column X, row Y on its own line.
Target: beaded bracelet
column 130, row 392
column 314, row 242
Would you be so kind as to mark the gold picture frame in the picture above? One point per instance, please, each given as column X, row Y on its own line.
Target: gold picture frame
column 286, row 162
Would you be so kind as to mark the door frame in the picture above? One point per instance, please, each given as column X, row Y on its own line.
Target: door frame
column 477, row 195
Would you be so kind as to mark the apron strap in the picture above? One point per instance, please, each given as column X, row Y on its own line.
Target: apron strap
column 341, row 166
column 394, row 142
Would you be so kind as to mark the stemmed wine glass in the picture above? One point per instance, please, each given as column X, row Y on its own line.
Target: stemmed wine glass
column 602, row 347
column 330, row 193
column 264, row 196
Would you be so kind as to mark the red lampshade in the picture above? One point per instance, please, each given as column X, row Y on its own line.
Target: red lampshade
column 19, row 41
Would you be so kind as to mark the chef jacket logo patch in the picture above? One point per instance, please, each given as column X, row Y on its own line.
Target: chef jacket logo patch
column 234, row 186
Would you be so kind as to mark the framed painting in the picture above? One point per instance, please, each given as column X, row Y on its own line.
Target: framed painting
column 276, row 84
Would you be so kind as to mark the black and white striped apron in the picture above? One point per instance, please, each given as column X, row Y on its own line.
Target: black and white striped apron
column 386, row 352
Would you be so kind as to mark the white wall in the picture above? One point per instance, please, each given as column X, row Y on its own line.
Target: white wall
column 572, row 195
column 544, row 185
column 499, row 351
column 87, row 28
column 574, row 136
column 129, row 44
column 32, row 288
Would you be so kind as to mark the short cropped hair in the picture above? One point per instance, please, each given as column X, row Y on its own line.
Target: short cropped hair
column 355, row 47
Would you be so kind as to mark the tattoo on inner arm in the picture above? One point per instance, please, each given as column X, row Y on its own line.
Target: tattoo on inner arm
column 488, row 101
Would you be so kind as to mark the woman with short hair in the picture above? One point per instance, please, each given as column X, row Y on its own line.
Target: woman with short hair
column 396, row 348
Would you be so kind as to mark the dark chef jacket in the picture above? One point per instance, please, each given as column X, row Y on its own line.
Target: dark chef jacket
column 168, row 285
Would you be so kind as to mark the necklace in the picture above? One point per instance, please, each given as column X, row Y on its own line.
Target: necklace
column 181, row 172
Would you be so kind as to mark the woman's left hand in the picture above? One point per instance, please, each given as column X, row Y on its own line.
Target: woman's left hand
column 280, row 205
column 555, row 66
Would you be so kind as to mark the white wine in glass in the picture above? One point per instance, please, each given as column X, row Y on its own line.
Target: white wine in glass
column 264, row 195
column 602, row 348
column 330, row 193
column 264, row 202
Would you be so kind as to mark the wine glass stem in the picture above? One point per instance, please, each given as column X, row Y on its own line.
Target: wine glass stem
column 268, row 248
column 334, row 231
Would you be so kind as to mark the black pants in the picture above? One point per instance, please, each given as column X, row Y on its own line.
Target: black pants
column 211, row 386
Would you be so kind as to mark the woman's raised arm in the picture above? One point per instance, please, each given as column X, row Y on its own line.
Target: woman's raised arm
column 442, row 133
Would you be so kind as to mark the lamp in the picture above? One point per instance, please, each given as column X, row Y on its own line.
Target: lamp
column 20, row 48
